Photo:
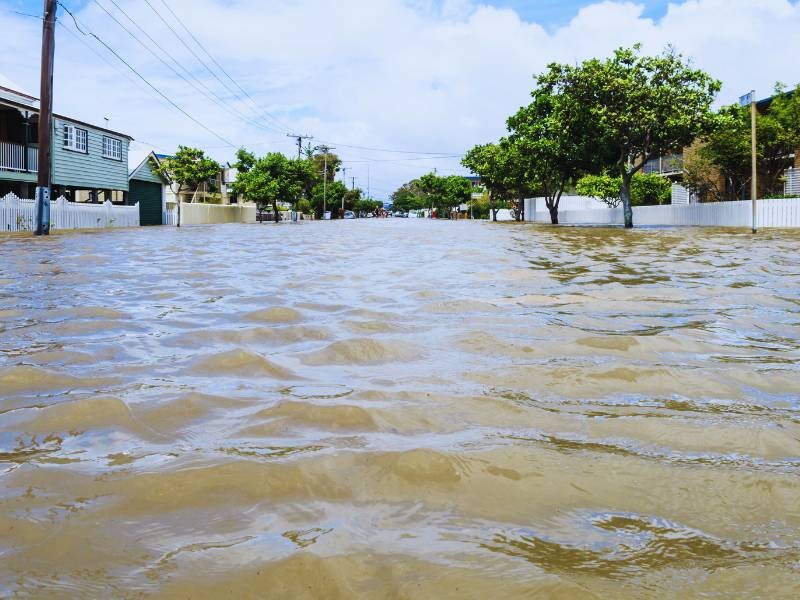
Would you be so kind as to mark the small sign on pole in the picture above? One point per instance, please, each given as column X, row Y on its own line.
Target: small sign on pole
column 750, row 99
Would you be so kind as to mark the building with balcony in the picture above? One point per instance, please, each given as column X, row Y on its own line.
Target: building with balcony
column 89, row 163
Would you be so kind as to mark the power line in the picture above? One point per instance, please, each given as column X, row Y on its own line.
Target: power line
column 140, row 76
column 216, row 99
column 378, row 160
column 221, row 68
column 199, row 58
column 392, row 151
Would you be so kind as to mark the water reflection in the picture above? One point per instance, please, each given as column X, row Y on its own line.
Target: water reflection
column 400, row 409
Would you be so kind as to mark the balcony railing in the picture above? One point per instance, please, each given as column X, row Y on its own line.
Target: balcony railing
column 663, row 165
column 12, row 158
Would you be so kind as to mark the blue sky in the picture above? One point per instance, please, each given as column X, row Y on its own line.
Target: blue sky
column 558, row 12
column 550, row 13
column 400, row 87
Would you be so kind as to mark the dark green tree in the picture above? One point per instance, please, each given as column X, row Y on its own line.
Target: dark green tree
column 639, row 107
column 186, row 170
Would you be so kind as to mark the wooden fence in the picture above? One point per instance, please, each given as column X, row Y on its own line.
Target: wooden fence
column 783, row 212
column 19, row 214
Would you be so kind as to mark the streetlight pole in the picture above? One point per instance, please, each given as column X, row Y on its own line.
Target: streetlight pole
column 754, row 149
column 744, row 101
column 46, row 118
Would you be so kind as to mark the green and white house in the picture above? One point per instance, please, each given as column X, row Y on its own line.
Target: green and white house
column 89, row 163
column 148, row 189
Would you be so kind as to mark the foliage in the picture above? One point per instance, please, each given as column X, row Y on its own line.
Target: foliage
column 480, row 208
column 606, row 188
column 501, row 169
column 646, row 189
column 410, row 196
column 365, row 205
column 188, row 168
column 445, row 193
column 334, row 165
column 272, row 179
column 549, row 144
column 304, row 206
column 328, row 197
column 636, row 106
column 726, row 151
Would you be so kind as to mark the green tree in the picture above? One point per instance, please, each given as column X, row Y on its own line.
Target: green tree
column 637, row 106
column 410, row 196
column 273, row 180
column 646, row 189
column 502, row 172
column 445, row 193
column 329, row 197
column 186, row 170
column 550, row 143
column 726, row 151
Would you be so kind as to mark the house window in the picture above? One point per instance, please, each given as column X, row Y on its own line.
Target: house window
column 112, row 148
column 76, row 139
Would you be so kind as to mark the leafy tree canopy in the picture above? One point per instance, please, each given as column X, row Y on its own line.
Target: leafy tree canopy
column 188, row 168
column 636, row 106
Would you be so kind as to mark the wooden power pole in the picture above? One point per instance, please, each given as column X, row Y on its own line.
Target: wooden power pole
column 46, row 118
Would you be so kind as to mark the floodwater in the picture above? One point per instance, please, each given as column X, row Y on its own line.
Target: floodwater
column 400, row 409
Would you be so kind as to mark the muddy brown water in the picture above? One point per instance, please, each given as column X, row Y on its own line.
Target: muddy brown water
column 400, row 409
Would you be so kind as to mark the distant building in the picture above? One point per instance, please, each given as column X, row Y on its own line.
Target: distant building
column 89, row 163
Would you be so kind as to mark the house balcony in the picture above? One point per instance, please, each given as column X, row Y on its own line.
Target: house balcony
column 671, row 164
column 13, row 157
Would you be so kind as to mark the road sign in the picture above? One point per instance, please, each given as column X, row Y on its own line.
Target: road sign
column 747, row 99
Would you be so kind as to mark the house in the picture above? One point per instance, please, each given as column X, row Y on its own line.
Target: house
column 148, row 189
column 671, row 166
column 89, row 163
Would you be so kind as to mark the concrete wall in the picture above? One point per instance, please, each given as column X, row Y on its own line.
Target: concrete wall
column 770, row 213
column 210, row 214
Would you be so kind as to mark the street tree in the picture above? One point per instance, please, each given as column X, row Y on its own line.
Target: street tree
column 186, row 170
column 273, row 180
column 725, row 153
column 639, row 107
column 502, row 172
column 409, row 196
column 551, row 144
column 443, row 193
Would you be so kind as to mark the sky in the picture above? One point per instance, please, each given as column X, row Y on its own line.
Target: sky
column 398, row 87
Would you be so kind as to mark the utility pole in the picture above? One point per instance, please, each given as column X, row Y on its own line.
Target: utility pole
column 353, row 186
column 46, row 118
column 326, row 150
column 299, row 139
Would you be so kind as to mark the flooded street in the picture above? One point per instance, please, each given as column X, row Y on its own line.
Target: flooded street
column 400, row 409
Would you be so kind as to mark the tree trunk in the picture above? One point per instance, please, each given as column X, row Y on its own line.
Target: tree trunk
column 178, row 201
column 494, row 214
column 553, row 214
column 625, row 195
column 275, row 211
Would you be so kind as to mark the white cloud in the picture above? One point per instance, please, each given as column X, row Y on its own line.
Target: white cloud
column 416, row 75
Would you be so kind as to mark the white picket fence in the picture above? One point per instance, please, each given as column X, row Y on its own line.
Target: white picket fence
column 169, row 216
column 19, row 214
column 782, row 212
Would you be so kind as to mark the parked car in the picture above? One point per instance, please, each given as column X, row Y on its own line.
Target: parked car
column 349, row 214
